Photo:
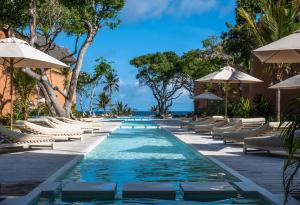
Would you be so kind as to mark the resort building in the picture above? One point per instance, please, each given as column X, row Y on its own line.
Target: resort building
column 56, row 76
column 262, row 72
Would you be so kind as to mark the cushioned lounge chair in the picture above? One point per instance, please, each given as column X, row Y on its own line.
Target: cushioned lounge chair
column 204, row 128
column 238, row 124
column 208, row 120
column 229, row 127
column 240, row 135
column 192, row 122
column 9, row 139
column 269, row 142
column 58, row 133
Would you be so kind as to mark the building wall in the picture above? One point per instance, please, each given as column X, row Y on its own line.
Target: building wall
column 53, row 75
column 266, row 74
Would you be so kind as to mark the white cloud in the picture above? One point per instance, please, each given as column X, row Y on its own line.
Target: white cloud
column 137, row 10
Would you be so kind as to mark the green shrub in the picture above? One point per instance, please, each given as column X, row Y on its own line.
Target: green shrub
column 261, row 107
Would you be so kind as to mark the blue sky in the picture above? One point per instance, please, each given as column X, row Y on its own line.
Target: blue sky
column 150, row 26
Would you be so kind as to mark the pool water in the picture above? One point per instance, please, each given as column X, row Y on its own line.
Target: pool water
column 130, row 155
column 137, row 155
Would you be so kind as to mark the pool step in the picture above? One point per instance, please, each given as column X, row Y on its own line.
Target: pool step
column 207, row 191
column 154, row 190
column 50, row 189
column 88, row 190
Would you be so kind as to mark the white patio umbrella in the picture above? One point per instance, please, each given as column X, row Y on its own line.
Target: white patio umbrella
column 16, row 53
column 228, row 75
column 288, row 84
column 284, row 50
column 207, row 96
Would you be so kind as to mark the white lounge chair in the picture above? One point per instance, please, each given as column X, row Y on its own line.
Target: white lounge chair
column 268, row 142
column 59, row 133
column 240, row 135
column 10, row 139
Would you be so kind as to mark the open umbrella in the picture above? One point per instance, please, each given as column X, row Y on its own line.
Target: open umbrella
column 207, row 96
column 284, row 50
column 16, row 53
column 228, row 75
column 290, row 83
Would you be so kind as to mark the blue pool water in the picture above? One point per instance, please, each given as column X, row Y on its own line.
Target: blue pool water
column 130, row 155
column 134, row 155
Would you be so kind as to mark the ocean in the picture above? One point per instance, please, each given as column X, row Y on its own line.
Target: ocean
column 148, row 113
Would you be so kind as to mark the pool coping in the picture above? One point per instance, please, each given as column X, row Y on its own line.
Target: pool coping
column 246, row 182
column 34, row 195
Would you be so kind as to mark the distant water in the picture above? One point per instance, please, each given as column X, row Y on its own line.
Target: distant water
column 148, row 113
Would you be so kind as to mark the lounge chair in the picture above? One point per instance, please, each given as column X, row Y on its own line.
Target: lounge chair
column 268, row 142
column 238, row 124
column 208, row 127
column 10, row 139
column 82, row 126
column 93, row 125
column 58, row 133
column 229, row 127
column 240, row 135
column 190, row 124
column 207, row 120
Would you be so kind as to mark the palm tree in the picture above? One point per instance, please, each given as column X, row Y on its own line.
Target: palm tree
column 275, row 21
column 111, row 82
column 103, row 101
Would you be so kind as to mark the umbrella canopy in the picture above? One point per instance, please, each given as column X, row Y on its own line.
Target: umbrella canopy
column 207, row 96
column 23, row 55
column 16, row 53
column 284, row 50
column 229, row 75
column 290, row 83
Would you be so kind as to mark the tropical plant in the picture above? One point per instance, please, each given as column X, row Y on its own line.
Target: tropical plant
column 121, row 109
column 275, row 21
column 292, row 163
column 162, row 73
column 49, row 19
column 261, row 107
column 87, row 83
column 111, row 84
column 24, row 87
column 196, row 63
column 103, row 101
column 242, row 108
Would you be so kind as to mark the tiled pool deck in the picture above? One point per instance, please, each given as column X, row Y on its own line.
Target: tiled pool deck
column 36, row 166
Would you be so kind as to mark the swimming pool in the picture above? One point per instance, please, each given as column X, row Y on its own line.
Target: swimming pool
column 147, row 155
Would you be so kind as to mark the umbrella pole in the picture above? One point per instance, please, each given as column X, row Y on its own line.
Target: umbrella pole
column 11, row 94
column 278, row 105
column 226, row 99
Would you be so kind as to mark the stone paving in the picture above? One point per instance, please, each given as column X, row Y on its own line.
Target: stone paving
column 30, row 168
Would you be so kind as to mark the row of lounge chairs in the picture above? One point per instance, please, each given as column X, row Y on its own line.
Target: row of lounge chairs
column 42, row 132
column 253, row 133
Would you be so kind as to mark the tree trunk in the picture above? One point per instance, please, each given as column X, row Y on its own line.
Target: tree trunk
column 72, row 88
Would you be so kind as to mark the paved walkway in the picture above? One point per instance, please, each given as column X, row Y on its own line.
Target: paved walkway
column 30, row 168
column 262, row 168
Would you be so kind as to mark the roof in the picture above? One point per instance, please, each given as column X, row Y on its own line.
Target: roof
column 56, row 51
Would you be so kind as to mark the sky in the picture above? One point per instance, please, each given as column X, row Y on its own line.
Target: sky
column 150, row 26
